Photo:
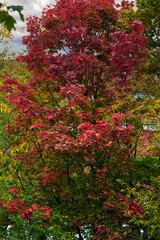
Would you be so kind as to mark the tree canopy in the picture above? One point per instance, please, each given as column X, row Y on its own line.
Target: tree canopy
column 82, row 163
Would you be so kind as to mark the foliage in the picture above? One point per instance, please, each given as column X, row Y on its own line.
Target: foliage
column 72, row 148
column 5, row 16
column 149, row 196
column 8, row 166
column 148, row 11
column 144, row 115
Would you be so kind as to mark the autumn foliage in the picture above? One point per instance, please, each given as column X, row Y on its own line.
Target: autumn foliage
column 75, row 148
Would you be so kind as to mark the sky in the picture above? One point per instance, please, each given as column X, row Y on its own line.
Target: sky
column 31, row 7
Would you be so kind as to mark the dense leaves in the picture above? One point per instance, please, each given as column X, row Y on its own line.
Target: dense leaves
column 76, row 127
column 149, row 12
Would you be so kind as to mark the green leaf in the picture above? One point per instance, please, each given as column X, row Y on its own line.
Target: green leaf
column 7, row 20
column 17, row 8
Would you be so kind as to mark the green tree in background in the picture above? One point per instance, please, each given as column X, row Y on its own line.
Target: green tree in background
column 148, row 11
column 145, row 115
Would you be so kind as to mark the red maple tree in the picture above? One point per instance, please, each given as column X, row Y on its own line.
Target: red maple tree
column 78, row 148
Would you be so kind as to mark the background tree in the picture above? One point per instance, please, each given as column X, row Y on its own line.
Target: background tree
column 144, row 115
column 148, row 12
column 8, row 166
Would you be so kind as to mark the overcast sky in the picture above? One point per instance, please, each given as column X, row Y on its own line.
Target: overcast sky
column 31, row 7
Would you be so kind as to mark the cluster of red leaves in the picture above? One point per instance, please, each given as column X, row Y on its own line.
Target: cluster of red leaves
column 149, row 187
column 134, row 208
column 15, row 206
column 129, row 51
column 49, row 176
column 13, row 190
column 18, row 207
